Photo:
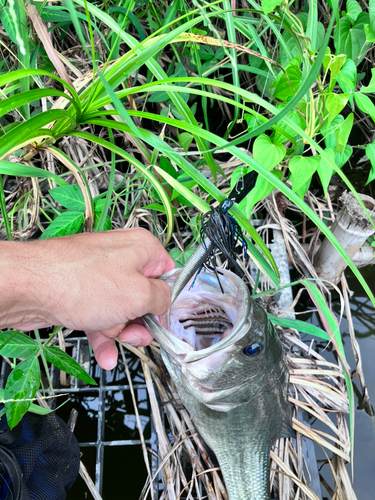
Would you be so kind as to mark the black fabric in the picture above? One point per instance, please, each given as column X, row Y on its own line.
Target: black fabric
column 47, row 454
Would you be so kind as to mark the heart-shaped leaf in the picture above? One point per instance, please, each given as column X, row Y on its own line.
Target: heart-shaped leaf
column 325, row 169
column 266, row 153
column 302, row 168
column 261, row 189
column 335, row 103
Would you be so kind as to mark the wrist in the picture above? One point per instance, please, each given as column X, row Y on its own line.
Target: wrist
column 22, row 291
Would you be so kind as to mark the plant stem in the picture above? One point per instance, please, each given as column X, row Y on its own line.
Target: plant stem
column 3, row 208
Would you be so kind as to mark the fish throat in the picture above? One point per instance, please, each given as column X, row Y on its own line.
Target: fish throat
column 208, row 325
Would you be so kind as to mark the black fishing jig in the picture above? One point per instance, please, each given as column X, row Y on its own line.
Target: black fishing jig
column 223, row 231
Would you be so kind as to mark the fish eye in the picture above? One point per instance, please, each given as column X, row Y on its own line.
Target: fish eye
column 253, row 349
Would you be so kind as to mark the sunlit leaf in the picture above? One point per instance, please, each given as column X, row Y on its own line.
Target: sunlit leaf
column 370, row 153
column 266, row 153
column 22, row 384
column 325, row 169
column 353, row 9
column 347, row 76
column 342, row 133
column 260, row 191
column 365, row 104
column 64, row 224
column 287, row 87
column 69, row 197
column 17, row 345
column 302, row 168
column 185, row 139
column 269, row 5
column 67, row 364
column 336, row 63
column 370, row 88
column 335, row 103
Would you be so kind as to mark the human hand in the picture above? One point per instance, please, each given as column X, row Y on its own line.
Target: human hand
column 101, row 283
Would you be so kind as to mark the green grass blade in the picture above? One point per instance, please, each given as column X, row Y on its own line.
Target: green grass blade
column 111, row 182
column 138, row 165
column 3, row 208
column 21, row 73
column 300, row 326
column 156, row 69
column 20, row 170
column 28, row 131
column 18, row 100
column 229, row 22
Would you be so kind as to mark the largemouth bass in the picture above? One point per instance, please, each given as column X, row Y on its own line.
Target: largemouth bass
column 228, row 366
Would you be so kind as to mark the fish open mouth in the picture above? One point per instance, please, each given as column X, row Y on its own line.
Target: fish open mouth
column 203, row 320
column 202, row 326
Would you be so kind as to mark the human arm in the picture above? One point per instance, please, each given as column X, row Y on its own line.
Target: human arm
column 97, row 282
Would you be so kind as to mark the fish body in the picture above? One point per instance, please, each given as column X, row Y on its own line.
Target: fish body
column 232, row 377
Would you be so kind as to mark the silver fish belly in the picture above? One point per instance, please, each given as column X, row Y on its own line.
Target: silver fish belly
column 232, row 377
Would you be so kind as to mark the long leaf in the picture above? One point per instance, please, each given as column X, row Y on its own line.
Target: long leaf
column 29, row 131
column 21, row 73
column 20, row 170
column 229, row 21
column 64, row 362
column 138, row 165
column 18, row 100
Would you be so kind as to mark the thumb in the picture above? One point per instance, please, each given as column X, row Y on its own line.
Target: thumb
column 160, row 297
